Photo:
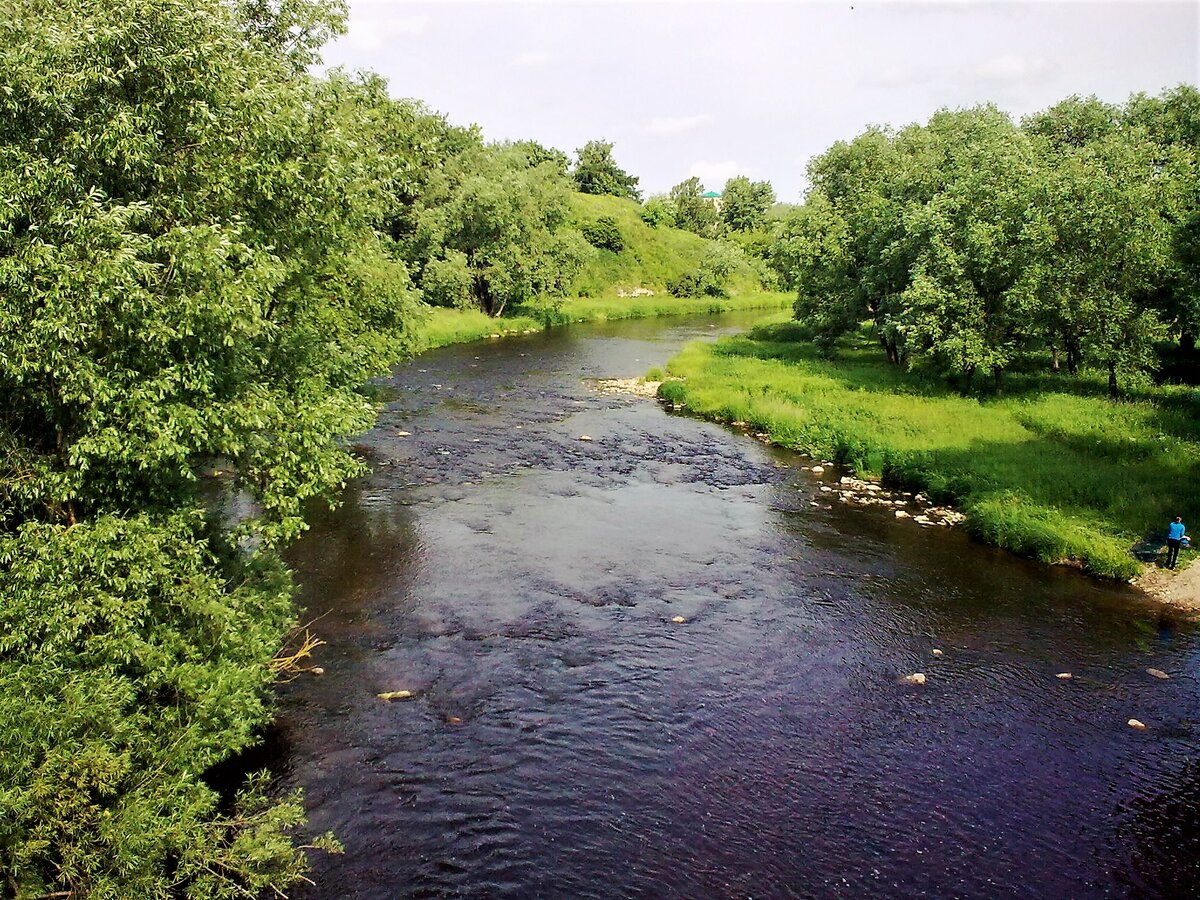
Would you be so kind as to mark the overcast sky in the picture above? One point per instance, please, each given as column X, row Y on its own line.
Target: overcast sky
column 716, row 89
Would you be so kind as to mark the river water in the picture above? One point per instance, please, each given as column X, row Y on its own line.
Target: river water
column 568, row 740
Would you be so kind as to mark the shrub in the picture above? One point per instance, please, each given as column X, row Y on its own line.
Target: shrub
column 604, row 234
column 447, row 281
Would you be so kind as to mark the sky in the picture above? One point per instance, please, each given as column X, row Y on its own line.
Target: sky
column 717, row 89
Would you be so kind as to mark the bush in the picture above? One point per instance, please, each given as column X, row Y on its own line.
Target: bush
column 447, row 281
column 604, row 234
column 657, row 212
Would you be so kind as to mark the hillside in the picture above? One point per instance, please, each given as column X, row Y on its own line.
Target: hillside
column 651, row 257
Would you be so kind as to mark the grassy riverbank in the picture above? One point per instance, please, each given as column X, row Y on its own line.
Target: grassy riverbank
column 456, row 326
column 1053, row 470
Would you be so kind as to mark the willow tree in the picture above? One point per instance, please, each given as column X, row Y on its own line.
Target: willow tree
column 189, row 273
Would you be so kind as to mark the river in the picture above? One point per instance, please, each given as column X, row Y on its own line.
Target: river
column 569, row 740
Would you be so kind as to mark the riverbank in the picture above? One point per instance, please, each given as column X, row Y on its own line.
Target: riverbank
column 1054, row 470
column 443, row 327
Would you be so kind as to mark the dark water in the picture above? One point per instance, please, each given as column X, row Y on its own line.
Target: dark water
column 568, row 740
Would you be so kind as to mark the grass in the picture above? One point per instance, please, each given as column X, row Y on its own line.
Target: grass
column 651, row 257
column 442, row 327
column 602, row 309
column 1053, row 470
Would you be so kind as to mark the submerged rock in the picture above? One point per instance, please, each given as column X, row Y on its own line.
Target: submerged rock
column 901, row 514
column 678, row 620
column 585, row 437
column 936, row 652
column 1065, row 676
column 395, row 695
column 914, row 678
column 1135, row 724
column 1158, row 673
column 817, row 470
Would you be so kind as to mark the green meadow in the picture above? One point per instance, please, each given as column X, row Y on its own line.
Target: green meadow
column 1052, row 470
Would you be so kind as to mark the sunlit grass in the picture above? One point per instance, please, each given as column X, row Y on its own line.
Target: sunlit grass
column 1052, row 474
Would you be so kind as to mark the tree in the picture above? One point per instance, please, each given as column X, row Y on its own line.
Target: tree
column 692, row 212
column 596, row 172
column 192, row 271
column 509, row 223
column 744, row 203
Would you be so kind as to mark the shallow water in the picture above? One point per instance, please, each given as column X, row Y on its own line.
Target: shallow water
column 569, row 740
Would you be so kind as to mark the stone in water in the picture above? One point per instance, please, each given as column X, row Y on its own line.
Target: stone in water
column 1064, row 675
column 1135, row 724
column 1158, row 673
column 395, row 695
column 678, row 620
column 817, row 470
column 936, row 652
column 914, row 678
column 585, row 437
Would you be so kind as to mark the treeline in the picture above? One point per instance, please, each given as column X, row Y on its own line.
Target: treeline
column 976, row 245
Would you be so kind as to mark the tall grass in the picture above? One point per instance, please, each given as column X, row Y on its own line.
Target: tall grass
column 1055, row 474
column 600, row 309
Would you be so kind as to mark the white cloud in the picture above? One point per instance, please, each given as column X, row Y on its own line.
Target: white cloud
column 677, row 124
column 714, row 174
column 533, row 59
column 1011, row 69
column 373, row 32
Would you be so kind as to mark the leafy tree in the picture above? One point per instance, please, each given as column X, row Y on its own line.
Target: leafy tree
column 510, row 224
column 596, row 172
column 536, row 155
column 744, row 203
column 658, row 212
column 692, row 212
column 192, row 270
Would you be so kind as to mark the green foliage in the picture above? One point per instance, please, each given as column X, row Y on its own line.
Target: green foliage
column 1053, row 475
column 133, row 661
column 691, row 211
column 744, row 203
column 651, row 257
column 596, row 172
column 971, row 244
column 508, row 222
column 195, row 267
column 448, row 281
column 657, row 212
column 604, row 234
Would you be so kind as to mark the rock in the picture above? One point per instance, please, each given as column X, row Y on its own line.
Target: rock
column 1135, row 724
column 1158, row 673
column 403, row 434
column 453, row 720
column 1065, row 676
column 817, row 470
column 901, row 514
column 678, row 620
column 826, row 488
column 845, row 479
column 317, row 670
column 936, row 652
column 585, row 437
column 914, row 678
column 395, row 695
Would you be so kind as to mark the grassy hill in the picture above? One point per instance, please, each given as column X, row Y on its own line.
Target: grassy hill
column 652, row 256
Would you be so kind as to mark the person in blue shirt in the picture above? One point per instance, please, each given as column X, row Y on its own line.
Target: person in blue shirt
column 1175, row 532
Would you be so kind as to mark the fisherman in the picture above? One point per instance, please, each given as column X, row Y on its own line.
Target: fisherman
column 1175, row 533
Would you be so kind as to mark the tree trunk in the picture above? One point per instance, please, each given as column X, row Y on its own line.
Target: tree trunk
column 1187, row 341
column 1054, row 366
column 1112, row 380
column 998, row 377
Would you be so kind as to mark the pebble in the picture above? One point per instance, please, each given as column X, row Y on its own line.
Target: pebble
column 914, row 678
column 1064, row 676
column 1134, row 723
column 1158, row 673
column 901, row 514
column 395, row 695
column 936, row 652
column 403, row 434
column 678, row 620
column 585, row 437
column 453, row 720
column 317, row 670
column 817, row 470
